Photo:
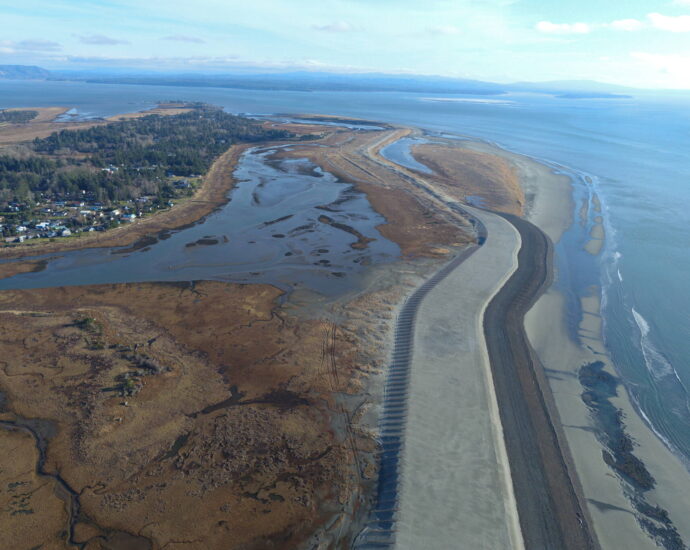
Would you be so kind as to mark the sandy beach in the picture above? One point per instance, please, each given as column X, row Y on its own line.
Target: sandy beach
column 614, row 520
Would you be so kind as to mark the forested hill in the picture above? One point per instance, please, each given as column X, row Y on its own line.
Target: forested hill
column 124, row 160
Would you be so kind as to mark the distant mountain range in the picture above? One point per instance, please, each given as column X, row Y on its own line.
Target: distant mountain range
column 24, row 72
column 322, row 81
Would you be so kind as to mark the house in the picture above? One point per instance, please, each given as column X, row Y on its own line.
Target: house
column 42, row 225
column 129, row 217
column 65, row 233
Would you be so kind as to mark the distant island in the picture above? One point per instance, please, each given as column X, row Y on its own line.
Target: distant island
column 313, row 81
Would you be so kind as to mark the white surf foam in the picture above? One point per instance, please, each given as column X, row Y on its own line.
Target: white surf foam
column 658, row 366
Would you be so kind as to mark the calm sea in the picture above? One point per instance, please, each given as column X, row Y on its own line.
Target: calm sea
column 636, row 153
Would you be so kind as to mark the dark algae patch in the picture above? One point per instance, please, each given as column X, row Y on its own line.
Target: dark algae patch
column 599, row 387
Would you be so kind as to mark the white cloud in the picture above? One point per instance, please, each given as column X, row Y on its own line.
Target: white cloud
column 563, row 28
column 184, row 38
column 446, row 30
column 680, row 23
column 681, row 2
column 627, row 24
column 37, row 45
column 100, row 40
column 338, row 26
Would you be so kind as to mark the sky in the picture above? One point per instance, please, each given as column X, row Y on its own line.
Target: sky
column 640, row 43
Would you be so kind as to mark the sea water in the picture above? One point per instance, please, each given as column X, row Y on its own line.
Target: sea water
column 634, row 151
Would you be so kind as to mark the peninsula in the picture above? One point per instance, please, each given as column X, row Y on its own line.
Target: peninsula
column 202, row 411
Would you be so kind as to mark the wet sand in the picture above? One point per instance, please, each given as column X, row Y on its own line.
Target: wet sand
column 597, row 238
column 612, row 515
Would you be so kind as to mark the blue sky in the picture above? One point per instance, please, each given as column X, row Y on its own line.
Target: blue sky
column 643, row 43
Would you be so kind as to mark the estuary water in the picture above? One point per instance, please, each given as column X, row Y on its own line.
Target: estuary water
column 287, row 223
column 634, row 153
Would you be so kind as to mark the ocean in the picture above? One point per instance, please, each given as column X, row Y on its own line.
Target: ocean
column 634, row 153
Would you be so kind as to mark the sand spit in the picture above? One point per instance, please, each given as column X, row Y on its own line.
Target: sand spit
column 48, row 122
column 548, row 202
column 456, row 486
column 597, row 238
column 473, row 177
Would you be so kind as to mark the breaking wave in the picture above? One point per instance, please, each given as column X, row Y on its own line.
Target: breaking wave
column 658, row 366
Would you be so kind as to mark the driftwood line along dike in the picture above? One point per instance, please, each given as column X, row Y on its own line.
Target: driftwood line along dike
column 552, row 511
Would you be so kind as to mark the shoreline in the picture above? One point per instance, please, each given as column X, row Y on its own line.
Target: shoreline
column 617, row 518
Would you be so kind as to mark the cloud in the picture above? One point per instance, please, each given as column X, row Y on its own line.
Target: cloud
column 8, row 46
column 563, row 28
column 338, row 26
column 184, row 38
column 447, row 30
column 100, row 40
column 628, row 25
column 680, row 23
column 681, row 2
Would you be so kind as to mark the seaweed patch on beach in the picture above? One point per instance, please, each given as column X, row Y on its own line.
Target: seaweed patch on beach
column 599, row 387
